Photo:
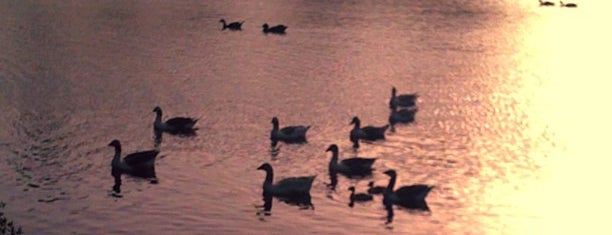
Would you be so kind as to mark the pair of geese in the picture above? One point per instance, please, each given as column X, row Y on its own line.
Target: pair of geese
column 547, row 3
column 141, row 164
column 297, row 134
column 278, row 29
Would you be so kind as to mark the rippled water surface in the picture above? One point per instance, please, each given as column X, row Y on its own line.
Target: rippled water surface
column 511, row 128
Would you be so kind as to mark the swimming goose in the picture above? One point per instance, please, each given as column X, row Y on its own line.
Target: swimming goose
column 349, row 167
column 546, row 3
column 366, row 133
column 359, row 197
column 177, row 125
column 568, row 4
column 279, row 29
column 375, row 189
column 406, row 196
column 231, row 26
column 139, row 164
column 401, row 116
column 404, row 100
column 288, row 187
column 288, row 134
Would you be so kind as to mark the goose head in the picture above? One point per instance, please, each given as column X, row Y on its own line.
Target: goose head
column 265, row 167
column 265, row 26
column 352, row 189
column 222, row 21
column 393, row 91
column 274, row 121
column 333, row 148
column 371, row 184
column 355, row 121
column 390, row 173
column 157, row 110
column 115, row 143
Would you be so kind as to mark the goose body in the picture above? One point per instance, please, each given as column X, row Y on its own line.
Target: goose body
column 401, row 116
column 366, row 133
column 177, row 125
column 375, row 189
column 278, row 29
column 406, row 196
column 567, row 4
column 137, row 164
column 287, row 187
column 358, row 197
column 403, row 100
column 288, row 134
column 351, row 166
column 546, row 3
column 231, row 26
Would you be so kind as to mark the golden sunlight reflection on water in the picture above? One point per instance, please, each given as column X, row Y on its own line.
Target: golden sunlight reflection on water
column 570, row 194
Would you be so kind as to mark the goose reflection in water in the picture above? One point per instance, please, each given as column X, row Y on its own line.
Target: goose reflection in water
column 293, row 190
column 138, row 164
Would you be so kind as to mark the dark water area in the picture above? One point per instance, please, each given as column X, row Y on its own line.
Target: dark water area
column 511, row 125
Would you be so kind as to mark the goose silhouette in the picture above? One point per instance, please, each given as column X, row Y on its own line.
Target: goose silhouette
column 375, row 189
column 546, row 3
column 287, row 187
column 349, row 167
column 140, row 164
column 358, row 197
column 401, row 116
column 288, row 134
column 411, row 197
column 278, row 29
column 403, row 100
column 177, row 125
column 231, row 26
column 370, row 133
column 567, row 4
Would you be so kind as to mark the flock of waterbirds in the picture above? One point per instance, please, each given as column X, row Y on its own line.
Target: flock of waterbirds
column 294, row 190
column 561, row 4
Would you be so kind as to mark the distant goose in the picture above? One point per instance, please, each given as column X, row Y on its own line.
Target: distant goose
column 568, row 4
column 279, row 29
column 288, row 134
column 546, row 3
column 404, row 100
column 375, row 189
column 401, row 116
column 351, row 166
column 139, row 164
column 366, row 133
column 177, row 125
column 359, row 197
column 406, row 196
column 231, row 26
column 288, row 187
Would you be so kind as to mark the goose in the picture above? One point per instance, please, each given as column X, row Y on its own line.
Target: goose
column 139, row 164
column 546, row 3
column 278, row 29
column 288, row 134
column 287, row 187
column 568, row 4
column 231, row 26
column 349, row 167
column 406, row 196
column 177, row 125
column 404, row 100
column 401, row 116
column 375, row 189
column 366, row 133
column 359, row 197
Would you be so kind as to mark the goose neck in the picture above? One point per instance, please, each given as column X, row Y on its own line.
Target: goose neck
column 391, row 184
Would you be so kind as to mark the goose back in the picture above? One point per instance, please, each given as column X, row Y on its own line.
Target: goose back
column 134, row 159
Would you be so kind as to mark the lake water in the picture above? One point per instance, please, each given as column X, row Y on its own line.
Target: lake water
column 512, row 126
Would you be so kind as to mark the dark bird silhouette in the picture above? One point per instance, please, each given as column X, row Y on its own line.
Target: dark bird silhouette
column 375, row 189
column 291, row 190
column 403, row 100
column 177, row 125
column 358, row 197
column 288, row 134
column 411, row 197
column 546, row 3
column 140, row 164
column 349, row 167
column 370, row 133
column 401, row 116
column 278, row 29
column 231, row 26
column 567, row 4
